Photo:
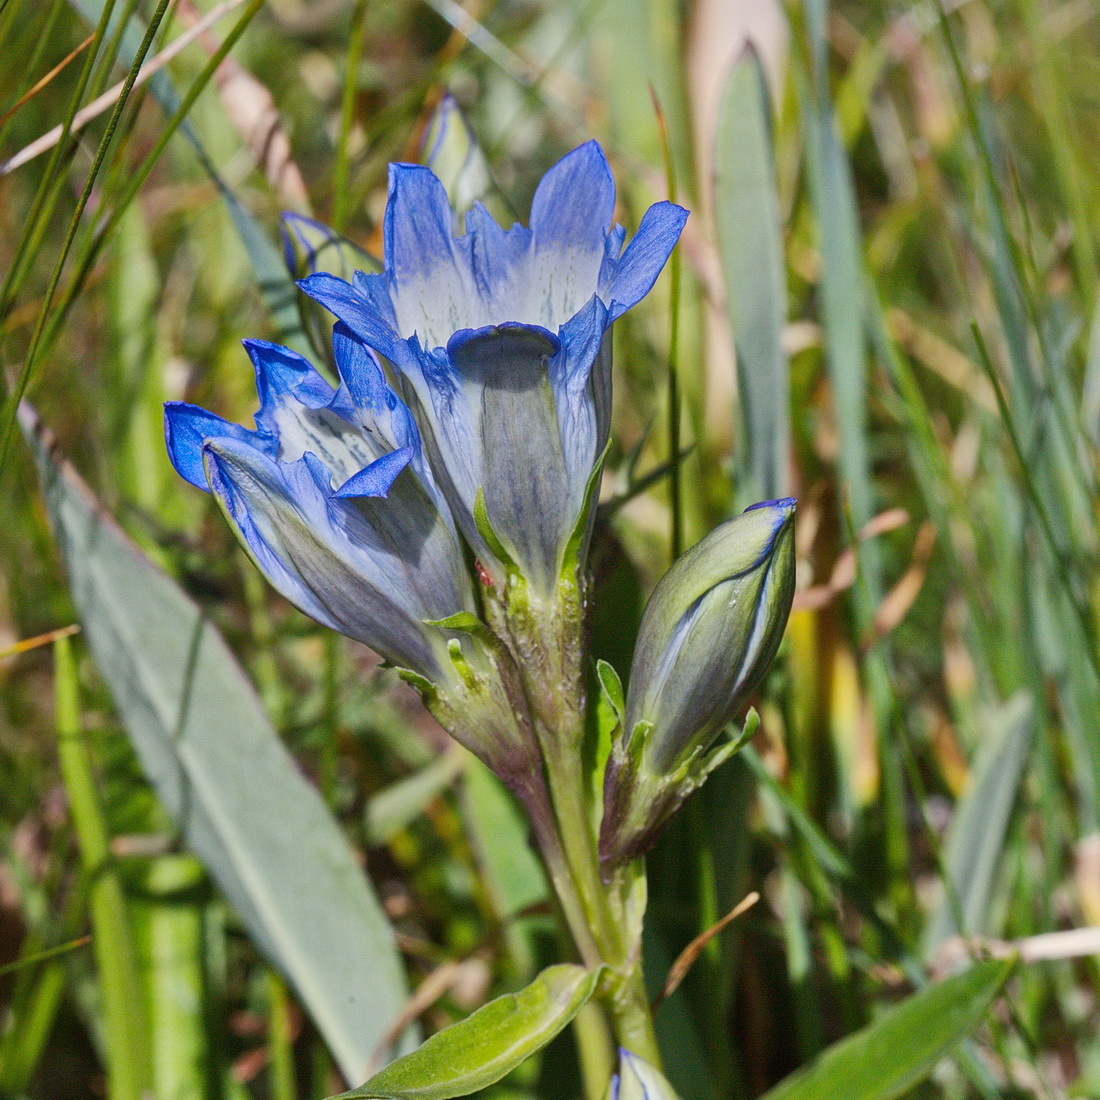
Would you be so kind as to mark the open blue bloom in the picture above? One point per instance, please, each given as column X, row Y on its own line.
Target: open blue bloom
column 500, row 338
column 333, row 499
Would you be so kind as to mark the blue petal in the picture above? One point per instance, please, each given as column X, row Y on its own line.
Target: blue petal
column 187, row 427
column 370, row 393
column 570, row 220
column 244, row 483
column 519, row 461
column 303, row 413
column 497, row 263
column 626, row 281
column 574, row 201
column 431, row 287
column 580, row 379
column 371, row 569
column 378, row 477
column 418, row 223
column 282, row 373
column 363, row 313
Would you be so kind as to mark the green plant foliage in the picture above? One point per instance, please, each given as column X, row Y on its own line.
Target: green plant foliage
column 976, row 840
column 750, row 240
column 901, row 1048
column 481, row 1049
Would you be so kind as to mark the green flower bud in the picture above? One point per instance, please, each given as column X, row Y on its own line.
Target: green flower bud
column 709, row 633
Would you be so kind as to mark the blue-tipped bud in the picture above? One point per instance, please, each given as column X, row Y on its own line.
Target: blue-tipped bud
column 451, row 151
column 710, row 630
column 638, row 1080
column 709, row 633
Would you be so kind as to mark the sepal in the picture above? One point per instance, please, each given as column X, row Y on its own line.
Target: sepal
column 612, row 688
column 638, row 804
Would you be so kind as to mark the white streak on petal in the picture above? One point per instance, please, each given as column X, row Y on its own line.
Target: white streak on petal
column 341, row 446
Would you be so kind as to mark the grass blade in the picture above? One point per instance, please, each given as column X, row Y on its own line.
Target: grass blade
column 751, row 245
column 125, row 1018
column 897, row 1051
column 979, row 830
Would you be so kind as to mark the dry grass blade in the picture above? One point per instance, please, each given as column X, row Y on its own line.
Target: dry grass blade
column 1072, row 943
column 39, row 640
column 251, row 108
column 28, row 95
column 107, row 100
column 844, row 570
column 897, row 602
column 686, row 959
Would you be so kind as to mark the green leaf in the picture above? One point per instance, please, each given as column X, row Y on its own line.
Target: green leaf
column 577, row 545
column 612, row 687
column 843, row 301
column 122, row 1004
column 464, row 622
column 481, row 1049
column 208, row 749
column 486, row 530
column 750, row 241
column 977, row 834
column 901, row 1048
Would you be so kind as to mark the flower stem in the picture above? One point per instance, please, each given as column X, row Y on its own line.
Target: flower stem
column 605, row 923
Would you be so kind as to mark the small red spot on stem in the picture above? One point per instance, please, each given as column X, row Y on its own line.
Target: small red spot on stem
column 483, row 574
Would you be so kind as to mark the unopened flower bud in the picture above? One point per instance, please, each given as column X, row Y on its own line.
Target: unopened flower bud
column 638, row 1080
column 709, row 633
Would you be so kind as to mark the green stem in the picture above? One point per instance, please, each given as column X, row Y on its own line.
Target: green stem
column 603, row 921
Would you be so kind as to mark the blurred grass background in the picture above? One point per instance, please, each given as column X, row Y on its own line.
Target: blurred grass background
column 897, row 207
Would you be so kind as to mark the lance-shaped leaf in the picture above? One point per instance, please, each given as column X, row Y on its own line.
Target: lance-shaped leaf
column 900, row 1049
column 209, row 751
column 976, row 838
column 750, row 242
column 480, row 1050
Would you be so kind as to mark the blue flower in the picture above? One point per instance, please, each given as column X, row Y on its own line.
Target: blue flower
column 499, row 337
column 333, row 499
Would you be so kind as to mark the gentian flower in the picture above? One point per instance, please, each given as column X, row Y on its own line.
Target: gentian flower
column 708, row 634
column 499, row 338
column 333, row 499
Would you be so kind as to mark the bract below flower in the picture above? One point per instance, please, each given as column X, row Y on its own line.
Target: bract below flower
column 500, row 337
column 334, row 501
